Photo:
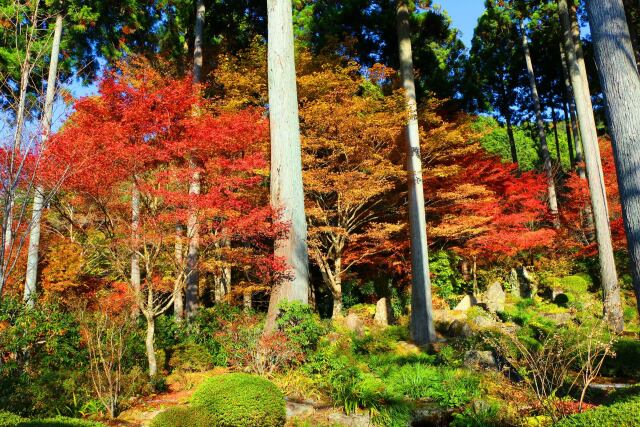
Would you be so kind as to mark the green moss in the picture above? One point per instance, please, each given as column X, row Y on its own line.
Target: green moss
column 8, row 419
column 180, row 416
column 577, row 283
column 190, row 357
column 241, row 400
column 625, row 413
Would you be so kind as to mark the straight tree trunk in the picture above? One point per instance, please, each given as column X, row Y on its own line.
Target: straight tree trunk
column 577, row 44
column 570, row 114
column 542, row 135
column 512, row 140
column 422, row 326
column 621, row 87
column 555, row 135
column 38, row 197
column 287, row 194
column 149, row 344
column 7, row 220
column 608, row 274
column 567, row 130
column 178, row 302
column 135, row 238
column 193, row 228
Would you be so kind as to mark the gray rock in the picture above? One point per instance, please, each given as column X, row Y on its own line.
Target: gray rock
column 354, row 323
column 483, row 321
column 459, row 328
column 559, row 318
column 352, row 420
column 528, row 287
column 466, row 303
column 514, row 283
column 297, row 409
column 495, row 297
column 480, row 359
column 384, row 312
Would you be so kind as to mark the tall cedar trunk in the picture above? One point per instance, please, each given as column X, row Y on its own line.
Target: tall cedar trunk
column 149, row 344
column 621, row 87
column 247, row 297
column 38, row 197
column 555, row 135
column 135, row 238
column 193, row 229
column 512, row 140
column 567, row 131
column 570, row 99
column 577, row 45
column 193, row 275
column 422, row 327
column 7, row 218
column 546, row 158
column 608, row 274
column 178, row 300
column 287, row 195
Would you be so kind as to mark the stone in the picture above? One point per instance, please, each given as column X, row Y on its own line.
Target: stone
column 466, row 303
column 560, row 319
column 480, row 359
column 354, row 323
column 384, row 312
column 528, row 288
column 459, row 328
column 495, row 297
column 483, row 321
column 514, row 283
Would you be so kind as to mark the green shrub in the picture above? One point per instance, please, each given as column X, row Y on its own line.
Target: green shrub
column 625, row 414
column 241, row 400
column 180, row 416
column 300, row 324
column 577, row 283
column 61, row 422
column 626, row 362
column 8, row 419
column 190, row 357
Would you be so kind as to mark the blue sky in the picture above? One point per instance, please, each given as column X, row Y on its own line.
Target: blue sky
column 464, row 14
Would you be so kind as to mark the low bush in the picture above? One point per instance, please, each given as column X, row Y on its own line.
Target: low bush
column 8, row 419
column 181, row 416
column 241, row 400
column 190, row 357
column 300, row 325
column 626, row 362
column 626, row 413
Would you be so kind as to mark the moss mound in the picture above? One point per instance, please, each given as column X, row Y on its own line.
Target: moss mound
column 7, row 419
column 241, row 400
column 180, row 416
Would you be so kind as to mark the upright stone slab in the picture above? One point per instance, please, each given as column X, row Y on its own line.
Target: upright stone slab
column 384, row 313
column 495, row 297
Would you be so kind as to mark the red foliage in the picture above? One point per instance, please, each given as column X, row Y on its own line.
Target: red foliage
column 153, row 132
column 577, row 200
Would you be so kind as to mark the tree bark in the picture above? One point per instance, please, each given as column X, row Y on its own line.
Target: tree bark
column 570, row 99
column 422, row 327
column 555, row 135
column 191, row 300
column 193, row 274
column 567, row 130
column 621, row 87
column 149, row 344
column 287, row 195
column 512, row 140
column 135, row 238
column 178, row 301
column 38, row 196
column 608, row 274
column 542, row 135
